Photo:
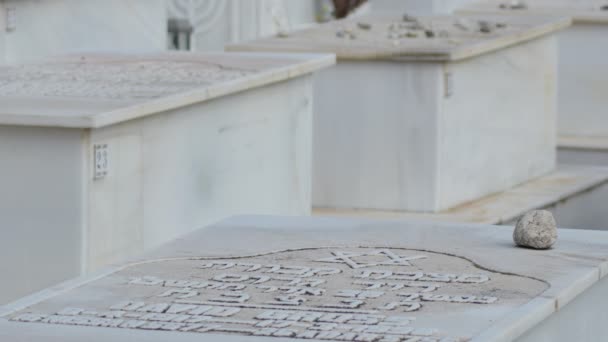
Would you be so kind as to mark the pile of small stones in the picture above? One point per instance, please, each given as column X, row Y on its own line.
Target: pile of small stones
column 412, row 27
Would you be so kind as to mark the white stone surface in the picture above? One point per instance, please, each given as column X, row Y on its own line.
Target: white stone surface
column 454, row 38
column 571, row 193
column 48, row 28
column 423, row 7
column 581, row 11
column 288, row 279
column 428, row 136
column 210, row 136
column 97, row 90
column 583, row 72
column 583, row 67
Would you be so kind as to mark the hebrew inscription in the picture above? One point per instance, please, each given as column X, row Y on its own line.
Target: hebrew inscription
column 345, row 294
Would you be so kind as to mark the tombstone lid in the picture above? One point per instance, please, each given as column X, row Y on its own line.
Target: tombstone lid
column 581, row 11
column 321, row 278
column 408, row 38
column 96, row 90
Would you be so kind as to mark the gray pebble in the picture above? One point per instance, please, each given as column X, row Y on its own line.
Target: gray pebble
column 536, row 229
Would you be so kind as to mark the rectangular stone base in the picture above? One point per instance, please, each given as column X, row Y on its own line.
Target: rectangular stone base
column 421, row 137
column 575, row 194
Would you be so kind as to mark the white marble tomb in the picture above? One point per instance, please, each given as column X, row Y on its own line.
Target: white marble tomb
column 33, row 29
column 583, row 74
column 106, row 156
column 414, row 123
column 293, row 279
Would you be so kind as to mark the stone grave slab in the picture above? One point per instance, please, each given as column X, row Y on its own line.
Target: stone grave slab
column 583, row 75
column 257, row 278
column 419, row 113
column 107, row 155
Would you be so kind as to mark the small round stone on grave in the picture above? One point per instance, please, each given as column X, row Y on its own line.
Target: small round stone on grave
column 536, row 229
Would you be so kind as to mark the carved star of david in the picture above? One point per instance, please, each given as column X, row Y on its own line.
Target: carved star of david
column 392, row 259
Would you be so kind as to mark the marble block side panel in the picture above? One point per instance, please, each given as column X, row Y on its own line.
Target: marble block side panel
column 46, row 28
column 375, row 136
column 583, row 72
column 498, row 126
column 40, row 207
column 178, row 171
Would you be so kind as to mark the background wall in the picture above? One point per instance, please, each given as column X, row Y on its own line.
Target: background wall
column 219, row 22
column 2, row 31
column 44, row 28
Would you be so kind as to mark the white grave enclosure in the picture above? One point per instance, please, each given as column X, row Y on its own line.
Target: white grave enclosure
column 105, row 156
column 422, row 7
column 376, row 281
column 583, row 74
column 33, row 29
column 416, row 123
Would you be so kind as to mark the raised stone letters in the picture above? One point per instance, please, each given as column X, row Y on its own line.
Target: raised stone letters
column 365, row 297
